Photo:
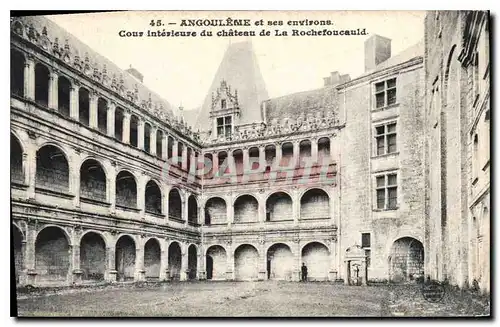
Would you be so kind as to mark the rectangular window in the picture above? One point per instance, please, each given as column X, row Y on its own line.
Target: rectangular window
column 224, row 126
column 387, row 191
column 385, row 137
column 366, row 245
column 385, row 93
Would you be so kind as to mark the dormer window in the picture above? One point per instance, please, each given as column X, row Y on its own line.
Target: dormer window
column 224, row 126
column 223, row 104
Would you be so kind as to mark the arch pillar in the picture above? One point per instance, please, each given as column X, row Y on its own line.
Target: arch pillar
column 202, row 272
column 111, row 119
column 53, row 90
column 31, row 168
column 297, row 260
column 74, row 173
column 93, row 109
column 29, row 78
column 230, row 261
column 73, row 102
column 332, row 272
column 140, row 272
column 140, row 134
column 261, row 213
column 164, row 272
column 126, row 127
column 111, row 187
column 110, row 273
column 184, row 262
column 75, row 259
column 262, row 260
column 295, row 206
column 152, row 140
column 229, row 211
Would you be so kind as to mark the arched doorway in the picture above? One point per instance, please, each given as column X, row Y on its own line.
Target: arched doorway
column 279, row 262
column 152, row 259
column 216, row 263
column 126, row 190
column 17, row 239
column 246, row 262
column 192, row 261
column 52, row 254
column 125, row 258
column 174, row 261
column 406, row 260
column 316, row 256
column 192, row 210
column 92, row 257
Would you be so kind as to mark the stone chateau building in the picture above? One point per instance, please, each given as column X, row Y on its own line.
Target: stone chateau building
column 457, row 147
column 110, row 182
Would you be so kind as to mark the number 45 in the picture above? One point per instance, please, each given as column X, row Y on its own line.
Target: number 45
column 157, row 23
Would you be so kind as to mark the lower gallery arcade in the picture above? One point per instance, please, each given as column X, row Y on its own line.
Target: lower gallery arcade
column 55, row 255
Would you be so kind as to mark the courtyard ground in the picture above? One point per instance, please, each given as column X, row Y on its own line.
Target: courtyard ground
column 246, row 299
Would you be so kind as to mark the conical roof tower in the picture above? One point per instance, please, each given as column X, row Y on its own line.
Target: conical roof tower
column 240, row 72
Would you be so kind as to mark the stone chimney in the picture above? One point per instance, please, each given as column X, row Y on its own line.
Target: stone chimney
column 377, row 50
column 135, row 73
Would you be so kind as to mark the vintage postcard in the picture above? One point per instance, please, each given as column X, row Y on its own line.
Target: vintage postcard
column 250, row 164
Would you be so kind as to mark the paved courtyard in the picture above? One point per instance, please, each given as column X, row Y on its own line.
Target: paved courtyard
column 244, row 299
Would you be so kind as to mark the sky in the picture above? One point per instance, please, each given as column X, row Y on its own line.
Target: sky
column 181, row 69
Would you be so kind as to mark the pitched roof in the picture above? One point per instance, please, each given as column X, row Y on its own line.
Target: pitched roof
column 323, row 100
column 95, row 59
column 240, row 70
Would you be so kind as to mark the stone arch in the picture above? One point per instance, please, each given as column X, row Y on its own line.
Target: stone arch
column 119, row 116
column 192, row 261
column 287, row 153
column 125, row 257
column 93, row 256
column 216, row 262
column 16, row 159
column 134, row 131
column 93, row 180
column 315, row 204
column 102, row 115
column 246, row 262
column 279, row 206
column 152, row 258
column 324, row 149
column 52, row 168
column 42, row 80
column 406, row 259
column 147, row 137
column 126, row 189
column 175, row 204
column 315, row 255
column 279, row 262
column 192, row 210
column 84, row 106
column 215, row 211
column 174, row 260
column 17, row 242
column 63, row 95
column 17, row 62
column 246, row 208
column 52, row 254
column 153, row 197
